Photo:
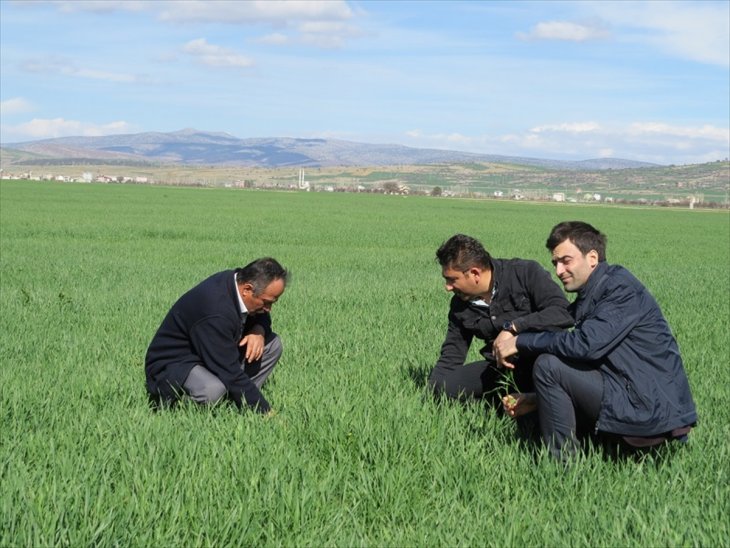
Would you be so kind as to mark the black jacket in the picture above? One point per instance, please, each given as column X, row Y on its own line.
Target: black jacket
column 204, row 327
column 525, row 294
column 620, row 328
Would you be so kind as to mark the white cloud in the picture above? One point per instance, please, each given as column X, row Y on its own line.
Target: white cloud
column 16, row 105
column 274, row 39
column 321, row 34
column 94, row 6
column 579, row 127
column 44, row 128
column 711, row 133
column 564, row 30
column 216, row 56
column 644, row 141
column 319, row 23
column 327, row 34
column 66, row 67
column 697, row 31
column 116, row 77
column 277, row 12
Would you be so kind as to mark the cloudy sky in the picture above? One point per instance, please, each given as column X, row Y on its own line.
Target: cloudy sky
column 548, row 79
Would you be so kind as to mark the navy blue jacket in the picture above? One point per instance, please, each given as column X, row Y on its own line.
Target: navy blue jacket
column 620, row 328
column 204, row 327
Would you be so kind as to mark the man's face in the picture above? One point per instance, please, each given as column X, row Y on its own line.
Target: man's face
column 464, row 285
column 572, row 267
column 257, row 304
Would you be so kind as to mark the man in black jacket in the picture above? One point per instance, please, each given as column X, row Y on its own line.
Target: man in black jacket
column 217, row 341
column 492, row 299
column 619, row 370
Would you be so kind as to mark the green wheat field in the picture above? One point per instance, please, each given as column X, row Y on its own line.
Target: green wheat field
column 358, row 454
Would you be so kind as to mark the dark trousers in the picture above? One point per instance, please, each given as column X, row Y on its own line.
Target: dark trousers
column 568, row 398
column 478, row 380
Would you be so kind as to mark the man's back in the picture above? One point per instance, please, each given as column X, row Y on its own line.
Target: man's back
column 648, row 387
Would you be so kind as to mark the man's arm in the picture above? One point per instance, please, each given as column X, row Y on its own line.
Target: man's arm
column 261, row 321
column 255, row 332
column 613, row 318
column 214, row 342
column 548, row 301
column 456, row 344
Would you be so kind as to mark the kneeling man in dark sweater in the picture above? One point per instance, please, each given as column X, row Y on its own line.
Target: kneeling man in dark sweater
column 216, row 341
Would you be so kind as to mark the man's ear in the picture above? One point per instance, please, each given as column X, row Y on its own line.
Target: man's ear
column 475, row 272
column 245, row 288
column 592, row 257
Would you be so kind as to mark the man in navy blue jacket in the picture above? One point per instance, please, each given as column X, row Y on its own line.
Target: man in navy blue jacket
column 217, row 341
column 619, row 370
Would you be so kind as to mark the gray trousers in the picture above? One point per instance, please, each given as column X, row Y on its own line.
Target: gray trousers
column 203, row 387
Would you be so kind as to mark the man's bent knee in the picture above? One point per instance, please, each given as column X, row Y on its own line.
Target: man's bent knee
column 274, row 348
column 545, row 367
column 211, row 393
column 437, row 381
column 204, row 387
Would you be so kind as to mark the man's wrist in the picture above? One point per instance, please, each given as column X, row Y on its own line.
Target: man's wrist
column 256, row 330
column 509, row 326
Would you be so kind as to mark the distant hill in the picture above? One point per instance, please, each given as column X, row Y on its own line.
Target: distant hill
column 193, row 147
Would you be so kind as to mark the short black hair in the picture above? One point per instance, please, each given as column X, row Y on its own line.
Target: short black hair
column 462, row 252
column 260, row 273
column 582, row 235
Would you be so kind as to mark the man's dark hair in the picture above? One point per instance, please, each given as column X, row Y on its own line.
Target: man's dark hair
column 582, row 235
column 462, row 252
column 260, row 273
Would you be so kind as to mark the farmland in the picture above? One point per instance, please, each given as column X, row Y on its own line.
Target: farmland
column 707, row 183
column 357, row 454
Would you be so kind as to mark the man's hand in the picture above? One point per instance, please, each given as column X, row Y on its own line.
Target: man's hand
column 516, row 405
column 254, row 343
column 505, row 345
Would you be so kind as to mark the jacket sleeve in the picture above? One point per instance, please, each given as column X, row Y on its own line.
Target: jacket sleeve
column 616, row 313
column 548, row 301
column 214, row 342
column 456, row 345
column 262, row 320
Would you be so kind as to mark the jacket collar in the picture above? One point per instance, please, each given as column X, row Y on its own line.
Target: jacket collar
column 235, row 295
column 496, row 266
column 578, row 306
column 593, row 280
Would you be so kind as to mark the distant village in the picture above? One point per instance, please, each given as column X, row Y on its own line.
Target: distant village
column 384, row 187
column 86, row 177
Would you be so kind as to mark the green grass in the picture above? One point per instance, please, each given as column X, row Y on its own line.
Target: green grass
column 357, row 454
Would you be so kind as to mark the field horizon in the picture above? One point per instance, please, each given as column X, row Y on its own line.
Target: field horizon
column 708, row 184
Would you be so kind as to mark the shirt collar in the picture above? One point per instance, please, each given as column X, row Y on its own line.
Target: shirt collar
column 482, row 302
column 241, row 306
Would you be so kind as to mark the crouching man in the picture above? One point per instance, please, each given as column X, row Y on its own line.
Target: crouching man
column 216, row 341
column 619, row 370
column 492, row 299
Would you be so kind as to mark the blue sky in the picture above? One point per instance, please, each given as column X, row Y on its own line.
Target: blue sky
column 571, row 80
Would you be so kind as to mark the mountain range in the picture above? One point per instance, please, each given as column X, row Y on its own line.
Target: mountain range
column 194, row 147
